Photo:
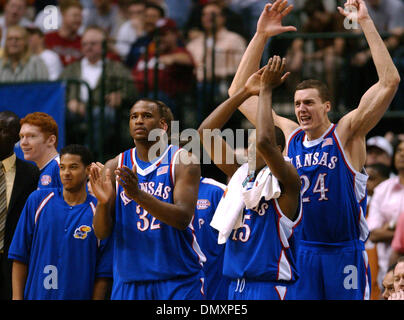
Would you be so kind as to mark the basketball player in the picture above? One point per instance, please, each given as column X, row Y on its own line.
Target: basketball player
column 209, row 194
column 330, row 160
column 55, row 251
column 38, row 141
column 259, row 257
column 156, row 255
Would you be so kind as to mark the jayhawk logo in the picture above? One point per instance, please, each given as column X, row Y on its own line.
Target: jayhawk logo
column 81, row 232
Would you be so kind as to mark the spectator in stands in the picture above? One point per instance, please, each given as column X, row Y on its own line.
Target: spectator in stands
column 153, row 14
column 119, row 88
column 378, row 150
column 14, row 12
column 388, row 283
column 132, row 29
column 49, row 57
column 398, row 281
column 174, row 69
column 385, row 208
column 398, row 241
column 388, row 17
column 234, row 21
column 20, row 178
column 43, row 15
column 17, row 63
column 228, row 48
column 320, row 58
column 66, row 41
column 105, row 15
column 377, row 173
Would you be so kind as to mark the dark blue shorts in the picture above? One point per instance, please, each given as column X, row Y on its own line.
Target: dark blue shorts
column 245, row 289
column 332, row 272
column 184, row 288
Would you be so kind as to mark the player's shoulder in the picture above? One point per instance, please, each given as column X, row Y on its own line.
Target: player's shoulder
column 213, row 184
column 40, row 195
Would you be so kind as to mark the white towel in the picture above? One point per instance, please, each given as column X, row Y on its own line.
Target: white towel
column 240, row 194
column 265, row 185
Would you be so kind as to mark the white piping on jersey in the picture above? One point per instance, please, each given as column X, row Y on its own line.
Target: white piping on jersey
column 195, row 244
column 285, row 225
column 281, row 290
column 360, row 179
column 284, row 269
column 42, row 205
column 56, row 158
column 311, row 143
column 173, row 163
column 120, row 162
column 214, row 183
column 366, row 294
column 93, row 209
column 153, row 166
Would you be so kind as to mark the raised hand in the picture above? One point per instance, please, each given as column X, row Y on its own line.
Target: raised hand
column 355, row 10
column 101, row 186
column 273, row 74
column 253, row 83
column 270, row 21
column 127, row 178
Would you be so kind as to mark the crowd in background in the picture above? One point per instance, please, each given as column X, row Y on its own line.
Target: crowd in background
column 164, row 49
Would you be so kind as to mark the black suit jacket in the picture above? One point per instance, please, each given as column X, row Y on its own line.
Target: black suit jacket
column 25, row 182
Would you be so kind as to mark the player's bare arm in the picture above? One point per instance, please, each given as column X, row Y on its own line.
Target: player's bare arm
column 19, row 278
column 100, row 288
column 268, row 25
column 354, row 126
column 103, row 189
column 218, row 118
column 178, row 214
column 267, row 146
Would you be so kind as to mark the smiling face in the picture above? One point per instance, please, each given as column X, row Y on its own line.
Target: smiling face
column 73, row 172
column 144, row 117
column 34, row 143
column 311, row 112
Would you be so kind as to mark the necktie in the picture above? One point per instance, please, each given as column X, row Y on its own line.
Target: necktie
column 3, row 205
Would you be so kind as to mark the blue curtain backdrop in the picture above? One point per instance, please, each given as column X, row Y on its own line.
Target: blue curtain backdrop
column 24, row 98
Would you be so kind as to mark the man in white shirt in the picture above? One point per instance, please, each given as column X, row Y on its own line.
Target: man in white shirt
column 131, row 29
column 49, row 57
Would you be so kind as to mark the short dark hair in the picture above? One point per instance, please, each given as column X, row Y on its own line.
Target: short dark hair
column 14, row 123
column 157, row 7
column 79, row 150
column 321, row 87
column 164, row 110
column 381, row 168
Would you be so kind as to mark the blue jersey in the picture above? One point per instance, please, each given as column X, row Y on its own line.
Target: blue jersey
column 209, row 195
column 58, row 244
column 263, row 249
column 147, row 249
column 333, row 192
column 50, row 175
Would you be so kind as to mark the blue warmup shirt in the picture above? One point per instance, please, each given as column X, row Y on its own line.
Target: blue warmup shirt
column 146, row 249
column 58, row 244
column 50, row 175
column 209, row 195
column 333, row 192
